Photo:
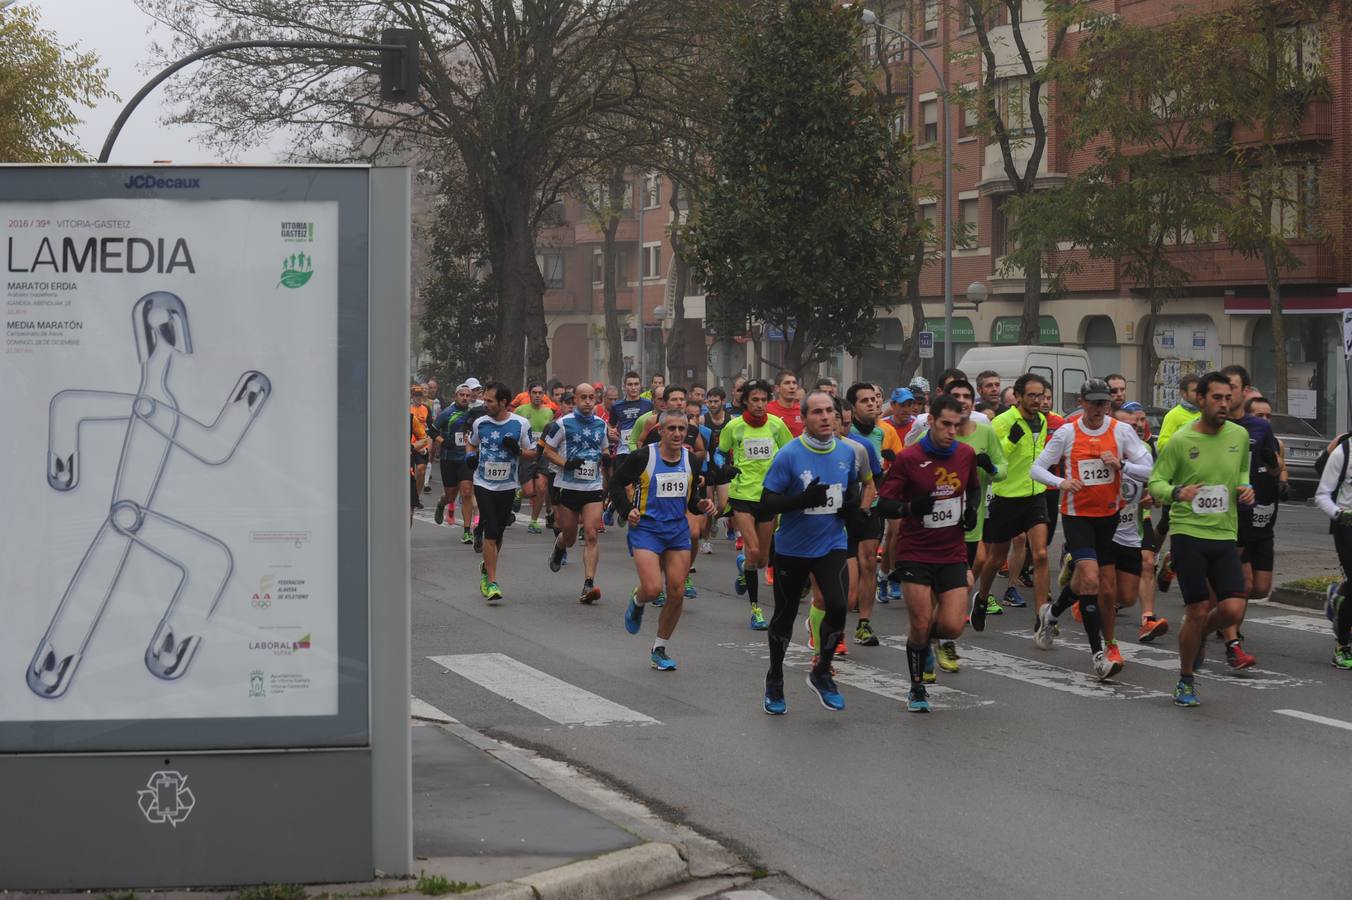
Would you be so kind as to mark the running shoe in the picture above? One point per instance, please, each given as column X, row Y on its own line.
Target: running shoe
column 1013, row 598
column 516, row 503
column 978, row 613
column 633, row 613
column 439, row 514
column 770, row 576
column 917, row 701
column 883, row 596
column 556, row 558
column 1342, row 657
column 1043, row 631
column 563, row 560
column 1185, row 693
column 758, row 622
column 842, row 649
column 774, row 702
column 494, row 592
column 739, row 583
column 993, row 607
column 1113, row 653
column 1075, row 611
column 660, row 661
column 811, row 643
column 590, row 594
column 418, row 504
column 1238, row 658
column 1164, row 573
column 483, row 585
column 893, row 589
column 1151, row 628
column 534, row 527
column 427, row 489
column 948, row 656
column 1026, row 577
column 1105, row 668
column 1063, row 579
column 1004, row 569
column 927, row 675
column 608, row 515
column 466, row 537
column 706, row 547
column 689, row 588
column 1331, row 597
column 738, row 544
column 825, row 686
column 864, row 635
column 661, row 599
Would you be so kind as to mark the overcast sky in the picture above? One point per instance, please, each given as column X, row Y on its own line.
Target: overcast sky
column 117, row 31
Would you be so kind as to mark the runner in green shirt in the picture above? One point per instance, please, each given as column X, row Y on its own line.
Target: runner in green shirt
column 1204, row 473
column 1182, row 415
column 536, row 485
column 749, row 444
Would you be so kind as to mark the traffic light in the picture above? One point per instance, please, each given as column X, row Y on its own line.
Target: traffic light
column 399, row 66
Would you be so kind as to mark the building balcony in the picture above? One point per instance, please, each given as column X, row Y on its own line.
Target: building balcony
column 627, row 232
column 1216, row 265
column 1315, row 125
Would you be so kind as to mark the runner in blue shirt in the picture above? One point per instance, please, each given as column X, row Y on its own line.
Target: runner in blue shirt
column 576, row 444
column 623, row 414
column 457, row 472
column 814, row 484
column 501, row 439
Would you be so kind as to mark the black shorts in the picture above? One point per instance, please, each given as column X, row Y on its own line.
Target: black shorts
column 942, row 577
column 1126, row 560
column 1148, row 543
column 575, row 500
column 495, row 509
column 1199, row 563
column 1257, row 552
column 1009, row 517
column 751, row 508
column 417, row 459
column 1090, row 537
column 454, row 471
column 868, row 529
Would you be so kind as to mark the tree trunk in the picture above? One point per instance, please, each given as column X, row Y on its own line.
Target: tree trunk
column 610, row 264
column 1030, row 324
column 1279, row 364
column 680, row 277
column 520, row 294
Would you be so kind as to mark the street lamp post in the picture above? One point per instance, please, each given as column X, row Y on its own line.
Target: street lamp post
column 869, row 17
column 638, row 259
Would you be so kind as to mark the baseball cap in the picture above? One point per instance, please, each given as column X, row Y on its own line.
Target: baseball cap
column 1133, row 406
column 472, row 383
column 901, row 395
column 599, row 385
column 1095, row 390
column 920, row 383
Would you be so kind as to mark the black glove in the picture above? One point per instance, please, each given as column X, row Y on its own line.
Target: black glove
column 574, row 463
column 890, row 455
column 984, row 461
column 1015, row 433
column 472, row 462
column 511, row 445
column 814, row 494
column 1283, row 490
column 727, row 473
column 890, row 509
column 969, row 517
column 922, row 507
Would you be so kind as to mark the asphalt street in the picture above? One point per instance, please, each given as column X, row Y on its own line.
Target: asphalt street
column 1030, row 779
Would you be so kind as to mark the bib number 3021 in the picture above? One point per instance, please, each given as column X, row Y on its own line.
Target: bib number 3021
column 1212, row 500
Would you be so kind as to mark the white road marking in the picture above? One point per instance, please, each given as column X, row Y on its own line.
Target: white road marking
column 1311, row 717
column 1216, row 667
column 1029, row 671
column 421, row 709
column 883, row 682
column 1312, row 624
column 747, row 895
column 544, row 694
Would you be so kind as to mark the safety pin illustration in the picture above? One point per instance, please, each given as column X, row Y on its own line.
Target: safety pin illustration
column 155, row 428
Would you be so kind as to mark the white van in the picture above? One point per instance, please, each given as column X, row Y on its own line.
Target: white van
column 1066, row 368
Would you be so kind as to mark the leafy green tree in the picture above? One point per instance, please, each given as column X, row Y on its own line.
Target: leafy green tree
column 808, row 225
column 41, row 83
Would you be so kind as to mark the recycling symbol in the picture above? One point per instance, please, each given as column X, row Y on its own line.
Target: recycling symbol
column 166, row 798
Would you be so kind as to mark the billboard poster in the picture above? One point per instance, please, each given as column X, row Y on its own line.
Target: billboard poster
column 169, row 468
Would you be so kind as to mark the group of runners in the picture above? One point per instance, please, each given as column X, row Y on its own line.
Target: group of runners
column 927, row 496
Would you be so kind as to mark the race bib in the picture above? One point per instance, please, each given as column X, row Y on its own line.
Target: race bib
column 835, row 498
column 495, row 471
column 585, row 472
column 1212, row 500
column 1095, row 471
column 672, row 484
column 624, row 435
column 757, row 449
column 1264, row 514
column 460, row 439
column 1127, row 517
column 946, row 513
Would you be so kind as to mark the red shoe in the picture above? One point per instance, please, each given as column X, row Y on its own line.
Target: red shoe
column 1237, row 658
column 841, row 649
column 1152, row 628
column 1075, row 611
column 738, row 545
column 770, row 575
column 1113, row 654
column 1004, row 569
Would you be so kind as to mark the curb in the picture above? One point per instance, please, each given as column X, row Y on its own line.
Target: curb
column 1302, row 599
column 632, row 872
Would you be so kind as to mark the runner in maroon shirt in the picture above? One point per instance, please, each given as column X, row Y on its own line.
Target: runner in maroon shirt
column 933, row 485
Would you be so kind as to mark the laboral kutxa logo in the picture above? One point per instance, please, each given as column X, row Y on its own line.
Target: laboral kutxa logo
column 282, row 648
column 296, row 270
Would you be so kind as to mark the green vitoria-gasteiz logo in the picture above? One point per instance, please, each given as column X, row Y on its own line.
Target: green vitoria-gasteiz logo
column 296, row 270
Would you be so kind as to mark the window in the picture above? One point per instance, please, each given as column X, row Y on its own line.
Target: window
column 931, row 13
column 929, row 115
column 968, row 123
column 929, row 217
column 1011, row 101
column 551, row 267
column 597, row 195
column 652, row 261
column 1045, row 373
column 1071, row 382
column 554, row 215
column 1300, row 48
column 969, row 212
column 1001, row 241
column 598, row 267
column 898, row 125
column 1295, row 212
column 652, row 190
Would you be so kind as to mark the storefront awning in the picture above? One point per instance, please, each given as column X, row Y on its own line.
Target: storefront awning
column 1308, row 305
column 1006, row 330
column 963, row 332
